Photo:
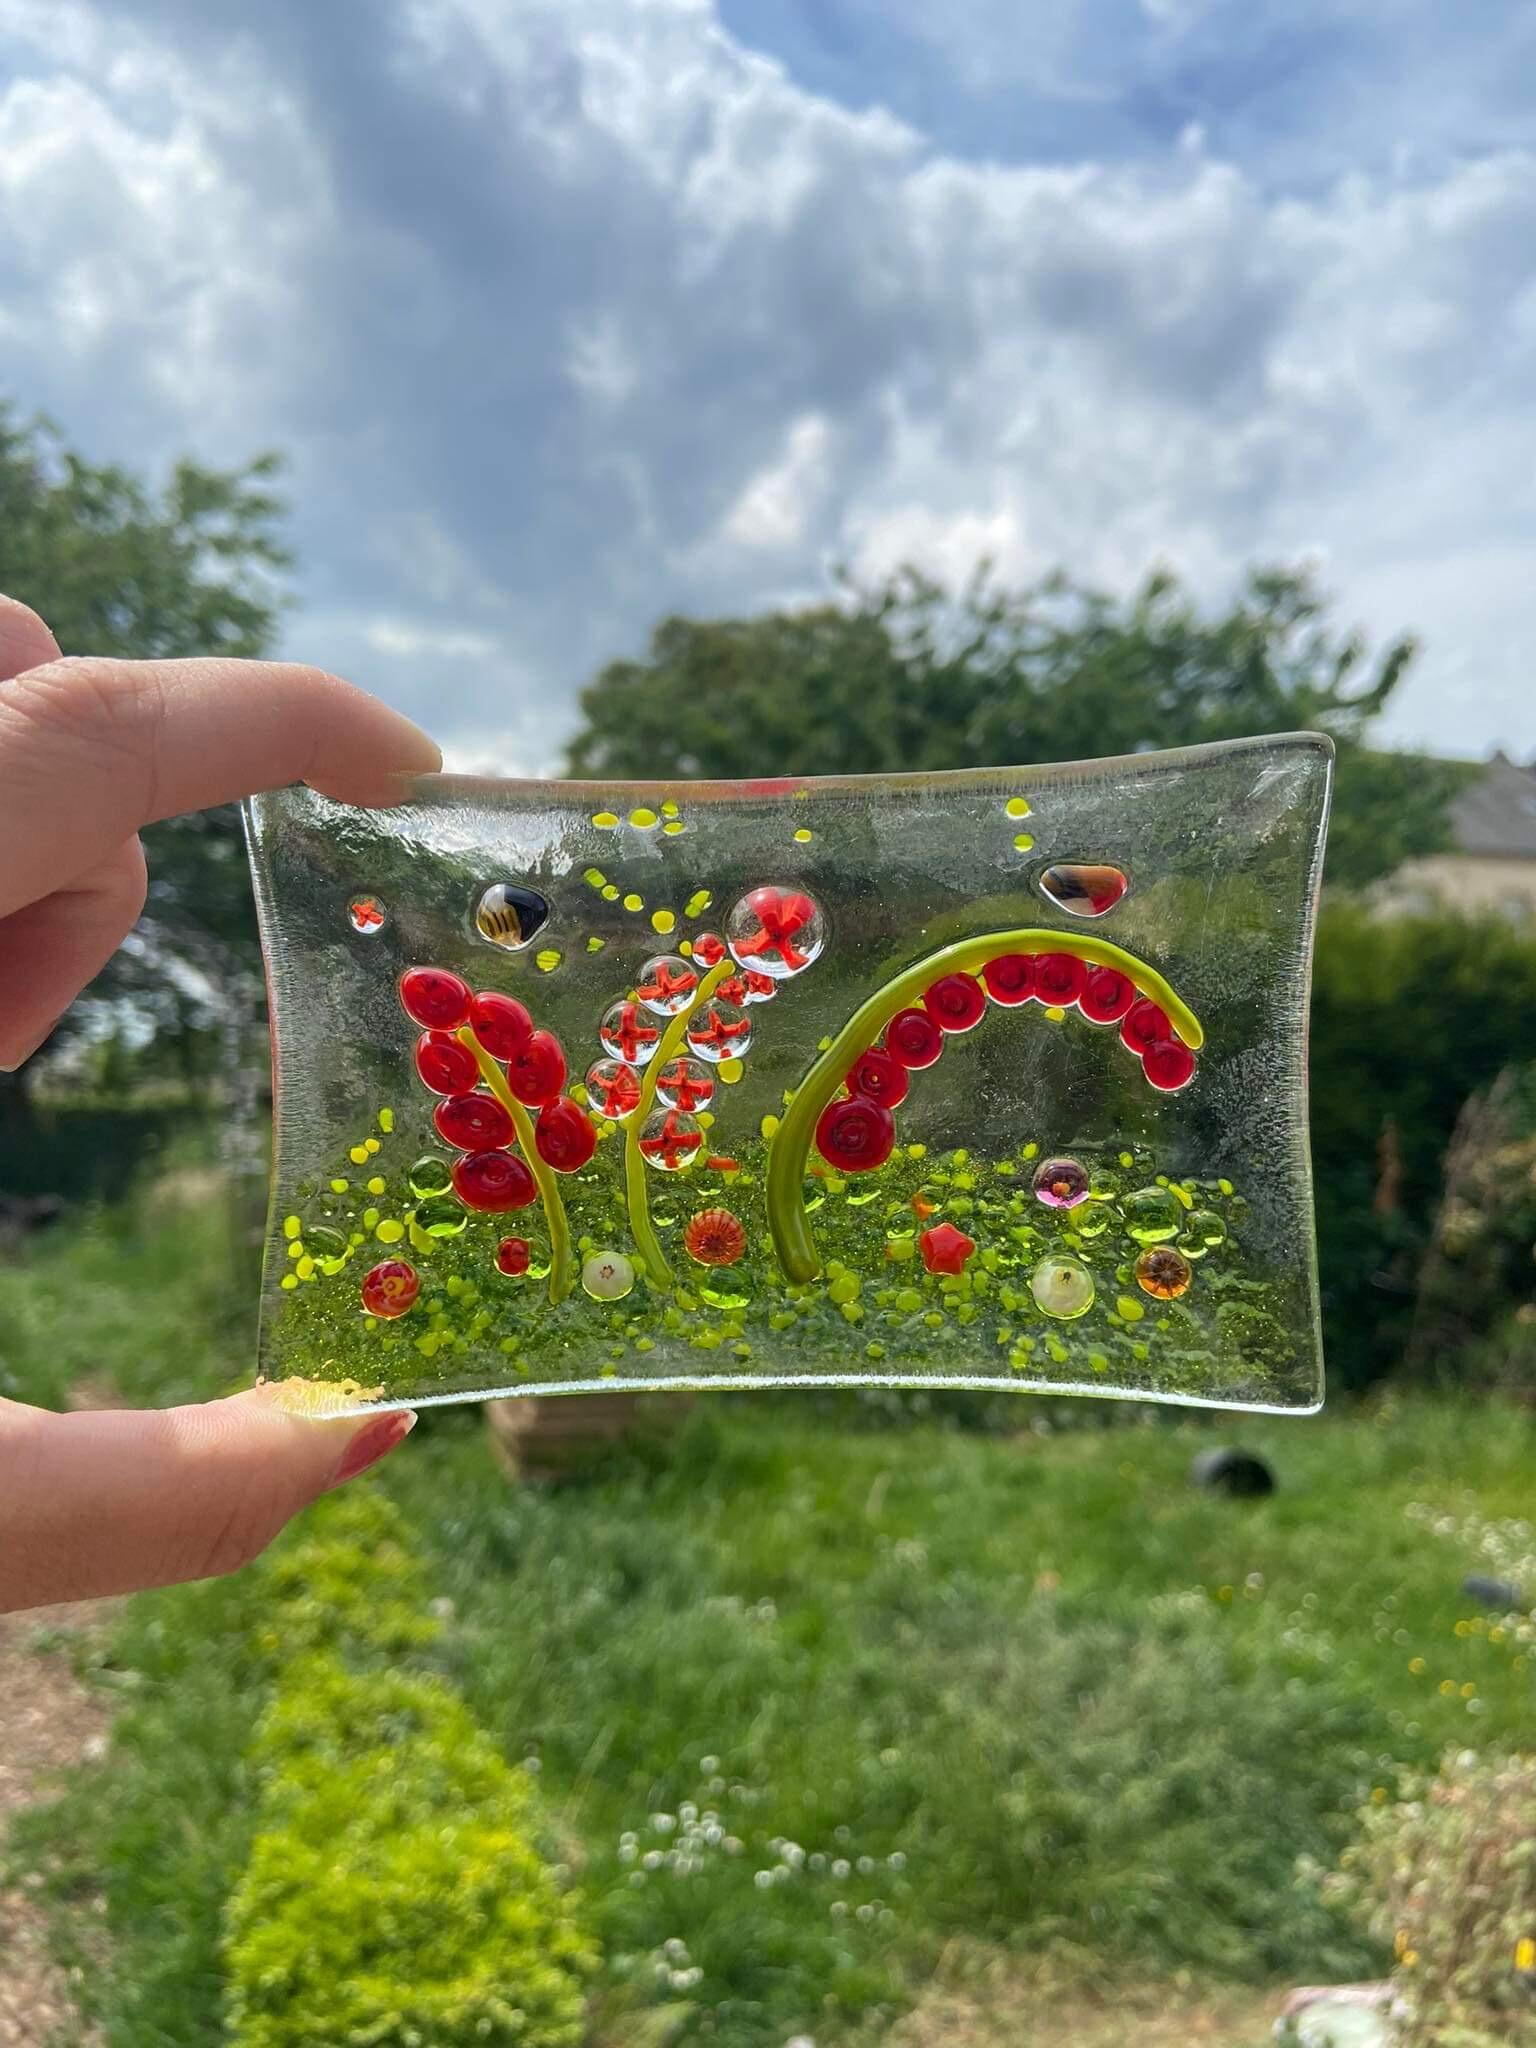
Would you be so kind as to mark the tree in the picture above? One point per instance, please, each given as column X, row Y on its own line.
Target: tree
column 908, row 675
column 119, row 568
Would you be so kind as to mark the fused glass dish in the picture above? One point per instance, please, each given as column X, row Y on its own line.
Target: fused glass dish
column 992, row 1079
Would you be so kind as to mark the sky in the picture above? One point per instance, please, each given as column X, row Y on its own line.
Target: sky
column 571, row 313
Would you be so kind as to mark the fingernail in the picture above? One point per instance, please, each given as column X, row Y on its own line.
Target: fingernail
column 375, row 1440
column 12, row 1065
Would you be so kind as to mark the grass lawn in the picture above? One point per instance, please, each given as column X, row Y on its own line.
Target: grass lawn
column 817, row 1705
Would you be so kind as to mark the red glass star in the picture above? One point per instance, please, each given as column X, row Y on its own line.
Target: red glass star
column 945, row 1249
column 664, row 985
column 674, row 1144
column 630, row 1033
column 618, row 1090
column 782, row 913
column 719, row 1030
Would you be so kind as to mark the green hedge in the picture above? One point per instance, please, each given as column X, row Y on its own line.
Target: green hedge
column 396, row 1895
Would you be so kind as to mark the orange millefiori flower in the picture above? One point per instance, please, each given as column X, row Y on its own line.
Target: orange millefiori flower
column 714, row 1238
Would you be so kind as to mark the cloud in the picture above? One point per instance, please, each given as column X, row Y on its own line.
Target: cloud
column 568, row 318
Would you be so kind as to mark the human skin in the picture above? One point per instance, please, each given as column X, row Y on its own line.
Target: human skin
column 108, row 1501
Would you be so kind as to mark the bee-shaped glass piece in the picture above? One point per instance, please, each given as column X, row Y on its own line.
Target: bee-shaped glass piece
column 510, row 917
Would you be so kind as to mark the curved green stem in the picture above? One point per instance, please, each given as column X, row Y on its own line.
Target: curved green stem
column 543, row 1174
column 636, row 1194
column 785, row 1191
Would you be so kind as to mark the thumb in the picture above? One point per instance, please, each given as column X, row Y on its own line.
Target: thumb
column 109, row 1501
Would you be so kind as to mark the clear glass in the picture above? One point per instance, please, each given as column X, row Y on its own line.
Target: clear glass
column 837, row 1082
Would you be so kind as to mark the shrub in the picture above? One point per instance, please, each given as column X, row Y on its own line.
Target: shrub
column 1448, row 1876
column 394, row 1892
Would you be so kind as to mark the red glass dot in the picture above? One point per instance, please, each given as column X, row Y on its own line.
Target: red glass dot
column 537, row 1073
column 1107, row 995
column 1059, row 979
column 1010, row 978
column 493, row 1181
column 390, row 1288
column 913, row 1038
column 445, row 1063
column 1145, row 1026
column 514, row 1255
column 564, row 1135
column 473, row 1123
column 955, row 1002
column 855, row 1134
column 501, row 1023
column 1170, row 1065
column 433, row 997
column 880, row 1077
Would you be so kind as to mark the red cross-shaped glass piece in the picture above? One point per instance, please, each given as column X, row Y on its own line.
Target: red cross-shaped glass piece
column 620, row 1090
column 665, row 986
column 781, row 913
column 733, row 989
column 366, row 914
column 713, row 1028
column 630, row 1032
column 674, row 1143
column 689, row 1091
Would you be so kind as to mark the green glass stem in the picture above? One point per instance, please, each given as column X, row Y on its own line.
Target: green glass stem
column 544, row 1176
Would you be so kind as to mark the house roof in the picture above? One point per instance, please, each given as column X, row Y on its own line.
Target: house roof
column 1495, row 815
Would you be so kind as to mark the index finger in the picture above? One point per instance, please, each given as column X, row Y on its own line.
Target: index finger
column 92, row 749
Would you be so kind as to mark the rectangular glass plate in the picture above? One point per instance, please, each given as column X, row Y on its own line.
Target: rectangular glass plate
column 1022, row 1185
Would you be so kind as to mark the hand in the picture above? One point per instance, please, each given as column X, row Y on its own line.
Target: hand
column 106, row 1502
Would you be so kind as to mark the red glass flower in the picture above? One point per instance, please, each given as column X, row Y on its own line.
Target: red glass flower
column 1145, row 1026
column 501, row 1023
column 1010, row 978
column 390, row 1288
column 1169, row 1065
column 433, row 997
column 880, row 1077
column 855, row 1135
column 493, row 1181
column 913, row 1038
column 714, row 1238
column 709, row 947
column 1059, row 979
column 1107, row 995
column 445, row 1063
column 674, row 1142
column 955, row 1002
column 537, row 1073
column 685, row 1085
column 780, row 927
column 614, row 1088
column 473, row 1123
column 945, row 1249
column 629, row 1034
column 564, row 1135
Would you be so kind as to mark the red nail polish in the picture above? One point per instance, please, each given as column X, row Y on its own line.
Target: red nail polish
column 375, row 1440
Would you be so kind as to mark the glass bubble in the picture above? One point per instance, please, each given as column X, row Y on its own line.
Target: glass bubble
column 430, row 1176
column 685, row 1084
column 1085, row 888
column 719, row 1031
column 726, row 1293
column 670, row 1140
column 367, row 914
column 1151, row 1215
column 509, row 917
column 1062, row 1288
column 1203, row 1231
column 1103, row 1185
column 1061, row 1183
column 775, row 930
column 607, row 1276
column 628, row 1033
column 328, row 1248
column 667, row 984
column 613, row 1089
column 441, row 1215
column 1163, row 1273
column 1091, row 1221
